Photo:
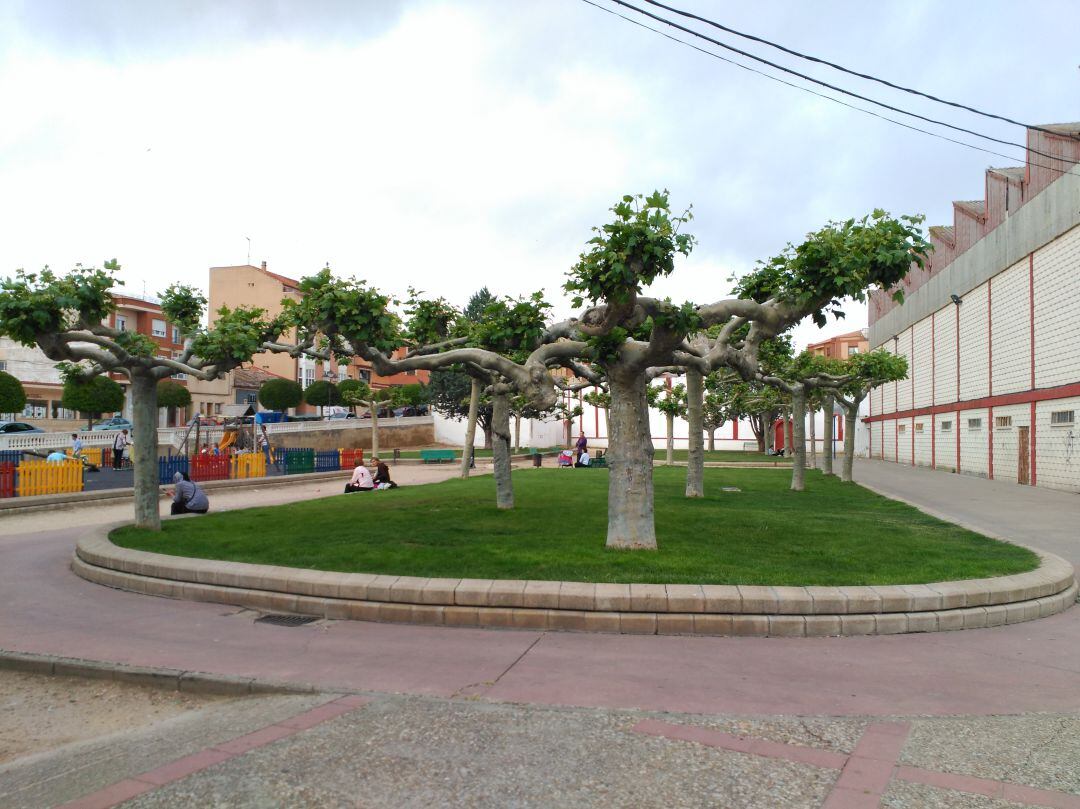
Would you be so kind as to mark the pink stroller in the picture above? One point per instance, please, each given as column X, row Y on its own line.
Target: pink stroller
column 566, row 458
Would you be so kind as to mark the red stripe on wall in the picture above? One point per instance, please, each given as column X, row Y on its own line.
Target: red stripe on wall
column 990, row 375
column 1032, row 442
column 913, row 394
column 1001, row 400
column 1031, row 318
column 933, row 388
column 990, row 452
column 956, row 429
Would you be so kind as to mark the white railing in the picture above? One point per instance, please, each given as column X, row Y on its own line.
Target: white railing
column 175, row 435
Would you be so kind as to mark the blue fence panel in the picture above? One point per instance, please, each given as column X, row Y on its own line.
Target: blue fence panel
column 328, row 461
column 169, row 466
column 11, row 456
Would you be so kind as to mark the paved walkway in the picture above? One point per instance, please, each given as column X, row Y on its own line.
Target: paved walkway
column 468, row 727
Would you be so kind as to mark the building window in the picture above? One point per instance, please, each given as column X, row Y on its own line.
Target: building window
column 851, row 350
column 157, row 328
column 121, row 323
column 1063, row 417
column 1003, row 421
column 901, row 428
column 176, row 335
column 974, row 424
column 3, row 365
column 918, row 427
column 946, row 426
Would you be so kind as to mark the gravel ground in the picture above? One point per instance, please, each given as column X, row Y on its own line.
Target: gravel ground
column 902, row 795
column 415, row 752
column 1038, row 750
column 41, row 713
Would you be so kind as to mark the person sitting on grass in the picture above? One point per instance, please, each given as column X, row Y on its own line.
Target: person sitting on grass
column 361, row 480
column 583, row 459
column 188, row 498
column 382, row 475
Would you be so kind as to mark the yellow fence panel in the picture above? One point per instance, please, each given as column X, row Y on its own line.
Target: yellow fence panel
column 252, row 465
column 92, row 454
column 50, row 477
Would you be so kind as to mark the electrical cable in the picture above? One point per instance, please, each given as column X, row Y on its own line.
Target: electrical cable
column 881, row 104
column 850, row 72
column 749, row 69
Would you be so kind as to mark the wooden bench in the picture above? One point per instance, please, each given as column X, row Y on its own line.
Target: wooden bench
column 436, row 455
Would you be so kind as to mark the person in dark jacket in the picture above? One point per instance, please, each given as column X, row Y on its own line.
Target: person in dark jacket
column 382, row 475
column 188, row 498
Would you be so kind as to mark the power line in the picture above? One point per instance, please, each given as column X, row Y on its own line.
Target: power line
column 777, row 79
column 881, row 104
column 843, row 69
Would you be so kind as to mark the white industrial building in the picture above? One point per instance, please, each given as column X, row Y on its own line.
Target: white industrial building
column 991, row 332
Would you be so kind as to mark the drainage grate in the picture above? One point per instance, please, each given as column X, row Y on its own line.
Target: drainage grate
column 286, row 620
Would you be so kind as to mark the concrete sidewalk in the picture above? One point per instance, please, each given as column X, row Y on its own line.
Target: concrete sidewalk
column 1043, row 518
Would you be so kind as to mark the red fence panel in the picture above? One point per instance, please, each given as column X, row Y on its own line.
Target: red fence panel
column 210, row 467
column 7, row 480
column 351, row 458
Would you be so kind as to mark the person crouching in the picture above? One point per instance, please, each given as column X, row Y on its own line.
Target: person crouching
column 361, row 480
column 188, row 498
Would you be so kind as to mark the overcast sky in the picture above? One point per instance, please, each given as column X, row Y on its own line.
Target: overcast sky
column 452, row 145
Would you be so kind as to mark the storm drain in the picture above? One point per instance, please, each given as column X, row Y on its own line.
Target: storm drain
column 286, row 620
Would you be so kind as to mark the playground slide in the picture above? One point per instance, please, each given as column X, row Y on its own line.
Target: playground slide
column 228, row 440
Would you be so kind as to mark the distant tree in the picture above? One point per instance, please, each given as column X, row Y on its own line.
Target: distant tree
column 12, row 395
column 449, row 392
column 865, row 371
column 671, row 402
column 280, row 394
column 172, row 394
column 353, row 389
column 409, row 395
column 322, row 393
column 93, row 396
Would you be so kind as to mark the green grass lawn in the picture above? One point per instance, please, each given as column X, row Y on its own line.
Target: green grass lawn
column 830, row 534
column 479, row 453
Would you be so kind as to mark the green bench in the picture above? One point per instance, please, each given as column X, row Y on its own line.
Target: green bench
column 436, row 455
column 599, row 463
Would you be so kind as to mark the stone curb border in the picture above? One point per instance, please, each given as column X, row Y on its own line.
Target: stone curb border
column 673, row 609
column 190, row 682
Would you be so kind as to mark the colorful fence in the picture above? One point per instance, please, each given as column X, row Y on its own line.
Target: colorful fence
column 328, row 461
column 49, row 477
column 252, row 465
column 7, row 480
column 351, row 458
column 11, row 456
column 210, row 467
column 295, row 461
column 98, row 456
column 169, row 466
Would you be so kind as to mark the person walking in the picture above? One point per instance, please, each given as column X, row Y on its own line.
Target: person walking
column 581, row 446
column 118, row 445
column 76, row 446
column 188, row 498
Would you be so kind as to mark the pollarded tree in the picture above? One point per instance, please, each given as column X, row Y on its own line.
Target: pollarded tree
column 805, row 373
column 12, row 395
column 280, row 394
column 92, row 396
column 865, row 371
column 625, row 334
column 672, row 403
column 66, row 318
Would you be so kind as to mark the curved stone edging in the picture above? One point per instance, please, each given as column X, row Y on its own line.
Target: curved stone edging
column 629, row 608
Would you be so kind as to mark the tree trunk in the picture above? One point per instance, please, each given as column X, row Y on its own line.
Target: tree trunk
column 797, row 432
column 487, row 435
column 500, row 448
column 374, row 407
column 695, row 454
column 827, row 436
column 789, row 438
column 851, row 415
column 517, row 433
column 712, row 440
column 144, row 452
column 470, row 428
column 813, row 440
column 630, row 461
column 768, row 430
column 669, row 444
